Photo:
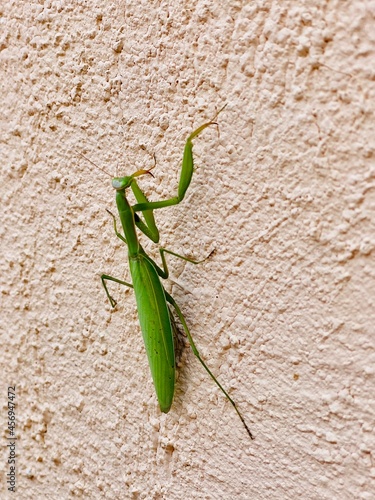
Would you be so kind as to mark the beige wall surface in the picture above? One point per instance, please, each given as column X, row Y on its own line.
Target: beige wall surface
column 283, row 311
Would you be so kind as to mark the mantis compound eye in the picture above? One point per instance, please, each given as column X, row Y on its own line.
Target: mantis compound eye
column 121, row 182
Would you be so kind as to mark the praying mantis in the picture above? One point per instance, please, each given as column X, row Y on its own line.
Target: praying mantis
column 155, row 316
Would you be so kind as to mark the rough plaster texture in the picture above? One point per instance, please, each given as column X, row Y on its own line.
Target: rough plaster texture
column 283, row 311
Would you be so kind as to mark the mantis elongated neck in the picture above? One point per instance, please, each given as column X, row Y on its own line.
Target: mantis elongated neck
column 127, row 220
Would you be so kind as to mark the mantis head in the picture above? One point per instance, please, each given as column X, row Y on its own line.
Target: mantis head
column 121, row 183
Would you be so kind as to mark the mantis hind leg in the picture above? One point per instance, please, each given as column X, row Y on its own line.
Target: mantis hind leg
column 171, row 300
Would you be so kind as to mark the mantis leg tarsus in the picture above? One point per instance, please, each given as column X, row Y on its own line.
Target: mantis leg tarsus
column 171, row 300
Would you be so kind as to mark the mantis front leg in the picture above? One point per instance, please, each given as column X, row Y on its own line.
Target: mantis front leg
column 186, row 172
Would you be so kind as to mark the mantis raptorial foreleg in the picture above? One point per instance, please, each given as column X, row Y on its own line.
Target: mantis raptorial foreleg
column 186, row 175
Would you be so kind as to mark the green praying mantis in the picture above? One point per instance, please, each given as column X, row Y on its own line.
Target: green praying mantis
column 155, row 317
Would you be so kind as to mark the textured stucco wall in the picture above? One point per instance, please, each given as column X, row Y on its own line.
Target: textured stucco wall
column 283, row 311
